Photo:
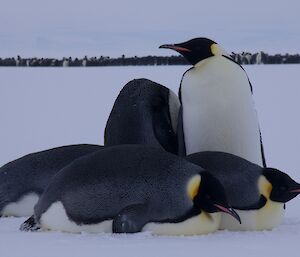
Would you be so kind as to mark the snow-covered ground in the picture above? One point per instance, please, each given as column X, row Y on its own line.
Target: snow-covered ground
column 47, row 107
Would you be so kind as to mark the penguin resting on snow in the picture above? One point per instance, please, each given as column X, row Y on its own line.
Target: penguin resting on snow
column 144, row 113
column 128, row 189
column 217, row 109
column 22, row 181
column 258, row 194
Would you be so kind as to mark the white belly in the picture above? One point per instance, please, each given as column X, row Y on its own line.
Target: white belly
column 198, row 225
column 266, row 218
column 218, row 110
column 22, row 208
column 55, row 218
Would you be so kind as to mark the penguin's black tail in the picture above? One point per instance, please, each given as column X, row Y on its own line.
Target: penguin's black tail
column 30, row 225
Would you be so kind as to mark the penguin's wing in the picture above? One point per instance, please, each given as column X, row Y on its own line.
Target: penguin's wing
column 180, row 134
column 251, row 88
column 131, row 219
column 262, row 151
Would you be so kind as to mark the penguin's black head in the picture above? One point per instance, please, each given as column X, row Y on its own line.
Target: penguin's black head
column 197, row 49
column 283, row 187
column 211, row 196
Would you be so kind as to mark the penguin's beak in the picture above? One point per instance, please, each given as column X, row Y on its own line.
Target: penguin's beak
column 176, row 48
column 230, row 211
column 296, row 188
column 295, row 191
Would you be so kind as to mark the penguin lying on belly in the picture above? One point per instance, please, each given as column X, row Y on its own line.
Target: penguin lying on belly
column 217, row 108
column 143, row 113
column 128, row 189
column 258, row 194
column 22, row 181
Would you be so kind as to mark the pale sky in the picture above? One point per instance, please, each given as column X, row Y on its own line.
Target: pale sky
column 135, row 27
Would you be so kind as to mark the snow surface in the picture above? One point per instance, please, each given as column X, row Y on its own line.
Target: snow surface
column 47, row 107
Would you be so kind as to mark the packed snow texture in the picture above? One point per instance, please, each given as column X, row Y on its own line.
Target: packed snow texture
column 47, row 107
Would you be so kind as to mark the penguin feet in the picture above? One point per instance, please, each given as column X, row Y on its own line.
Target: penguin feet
column 30, row 225
column 131, row 219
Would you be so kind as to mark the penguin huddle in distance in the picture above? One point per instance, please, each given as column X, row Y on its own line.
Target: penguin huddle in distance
column 186, row 165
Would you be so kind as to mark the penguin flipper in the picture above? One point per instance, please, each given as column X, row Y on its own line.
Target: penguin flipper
column 262, row 151
column 131, row 219
column 30, row 225
column 180, row 134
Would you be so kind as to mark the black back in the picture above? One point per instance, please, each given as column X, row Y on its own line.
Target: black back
column 141, row 115
column 98, row 186
column 33, row 172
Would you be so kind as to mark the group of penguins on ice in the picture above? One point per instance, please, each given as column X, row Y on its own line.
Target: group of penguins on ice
column 171, row 165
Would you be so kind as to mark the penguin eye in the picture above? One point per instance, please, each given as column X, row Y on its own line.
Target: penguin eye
column 207, row 197
column 283, row 188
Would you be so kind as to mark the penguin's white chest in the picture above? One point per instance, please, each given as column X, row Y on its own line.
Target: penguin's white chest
column 55, row 218
column 218, row 110
column 266, row 218
column 201, row 224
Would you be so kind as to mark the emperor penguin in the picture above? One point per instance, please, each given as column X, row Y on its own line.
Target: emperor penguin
column 22, row 181
column 128, row 189
column 145, row 113
column 217, row 109
column 258, row 194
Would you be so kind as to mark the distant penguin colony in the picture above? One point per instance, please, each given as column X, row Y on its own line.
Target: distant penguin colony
column 186, row 165
column 217, row 110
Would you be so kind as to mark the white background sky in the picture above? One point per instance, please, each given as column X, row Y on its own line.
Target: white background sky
column 138, row 27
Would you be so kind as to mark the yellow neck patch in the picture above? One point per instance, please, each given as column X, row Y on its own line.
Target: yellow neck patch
column 264, row 186
column 193, row 186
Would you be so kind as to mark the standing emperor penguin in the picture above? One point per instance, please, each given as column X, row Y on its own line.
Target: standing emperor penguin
column 258, row 194
column 128, row 189
column 144, row 113
column 217, row 109
column 22, row 181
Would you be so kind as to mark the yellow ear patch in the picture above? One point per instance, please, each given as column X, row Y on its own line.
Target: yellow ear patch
column 217, row 50
column 193, row 186
column 264, row 186
column 214, row 49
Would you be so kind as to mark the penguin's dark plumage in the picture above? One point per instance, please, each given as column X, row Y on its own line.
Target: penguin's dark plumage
column 29, row 175
column 128, row 188
column 144, row 113
column 257, row 193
